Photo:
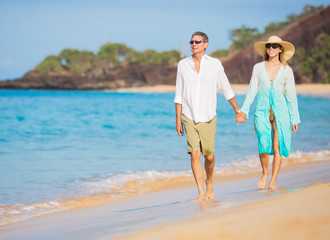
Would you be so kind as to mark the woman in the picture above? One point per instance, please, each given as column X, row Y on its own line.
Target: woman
column 276, row 114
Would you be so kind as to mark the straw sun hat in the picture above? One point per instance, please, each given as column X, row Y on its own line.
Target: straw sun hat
column 288, row 51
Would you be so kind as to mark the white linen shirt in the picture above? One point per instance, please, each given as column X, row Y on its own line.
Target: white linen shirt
column 197, row 92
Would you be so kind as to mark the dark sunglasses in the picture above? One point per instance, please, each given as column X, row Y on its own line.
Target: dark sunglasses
column 273, row 45
column 196, row 41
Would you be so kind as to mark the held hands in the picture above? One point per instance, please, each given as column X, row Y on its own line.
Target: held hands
column 240, row 118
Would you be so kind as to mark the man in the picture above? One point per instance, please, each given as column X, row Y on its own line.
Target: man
column 198, row 79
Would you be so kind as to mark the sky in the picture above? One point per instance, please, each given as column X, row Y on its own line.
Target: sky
column 30, row 30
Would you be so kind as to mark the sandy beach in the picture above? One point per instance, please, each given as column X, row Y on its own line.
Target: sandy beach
column 322, row 90
column 287, row 213
column 298, row 208
column 301, row 214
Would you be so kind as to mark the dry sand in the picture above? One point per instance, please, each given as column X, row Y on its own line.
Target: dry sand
column 322, row 90
column 303, row 214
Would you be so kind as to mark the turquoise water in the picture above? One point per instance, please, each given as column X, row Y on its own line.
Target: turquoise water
column 55, row 144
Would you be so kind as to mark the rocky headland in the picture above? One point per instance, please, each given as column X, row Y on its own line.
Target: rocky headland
column 108, row 78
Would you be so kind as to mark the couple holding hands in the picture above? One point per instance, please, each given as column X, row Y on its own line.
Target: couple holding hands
column 198, row 79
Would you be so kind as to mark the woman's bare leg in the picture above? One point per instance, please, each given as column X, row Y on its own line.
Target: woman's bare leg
column 277, row 161
column 264, row 159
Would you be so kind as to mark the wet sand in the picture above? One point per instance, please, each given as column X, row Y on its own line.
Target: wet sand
column 169, row 213
column 322, row 90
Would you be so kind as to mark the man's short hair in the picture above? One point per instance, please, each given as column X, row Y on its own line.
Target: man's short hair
column 203, row 35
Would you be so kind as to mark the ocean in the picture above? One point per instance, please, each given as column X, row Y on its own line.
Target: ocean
column 65, row 149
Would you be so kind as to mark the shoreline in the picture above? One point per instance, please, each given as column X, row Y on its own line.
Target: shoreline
column 152, row 181
column 313, row 89
column 162, row 207
column 316, row 90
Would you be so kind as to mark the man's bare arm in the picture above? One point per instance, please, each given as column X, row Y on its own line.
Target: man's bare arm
column 239, row 116
column 179, row 126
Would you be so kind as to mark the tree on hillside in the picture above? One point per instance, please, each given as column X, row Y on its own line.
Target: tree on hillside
column 243, row 37
column 316, row 63
column 146, row 56
column 76, row 61
column 168, row 57
column 219, row 53
column 274, row 27
column 152, row 56
column 116, row 52
column 308, row 10
column 51, row 63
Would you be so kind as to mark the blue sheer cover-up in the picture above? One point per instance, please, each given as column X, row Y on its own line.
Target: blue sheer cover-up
column 285, row 107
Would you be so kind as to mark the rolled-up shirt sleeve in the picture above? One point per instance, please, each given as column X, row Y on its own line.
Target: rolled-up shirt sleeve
column 223, row 83
column 178, row 86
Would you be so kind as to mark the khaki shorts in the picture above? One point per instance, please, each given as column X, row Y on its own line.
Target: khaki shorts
column 200, row 136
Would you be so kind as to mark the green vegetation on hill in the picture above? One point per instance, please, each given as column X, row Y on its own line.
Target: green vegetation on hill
column 72, row 60
column 78, row 62
column 243, row 37
column 220, row 53
column 315, row 64
column 308, row 10
column 152, row 56
column 50, row 64
column 116, row 52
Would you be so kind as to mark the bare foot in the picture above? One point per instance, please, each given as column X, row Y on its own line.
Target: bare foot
column 263, row 180
column 272, row 184
column 200, row 198
column 211, row 199
column 209, row 192
column 272, row 187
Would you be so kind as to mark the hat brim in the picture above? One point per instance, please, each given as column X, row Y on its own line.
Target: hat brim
column 288, row 47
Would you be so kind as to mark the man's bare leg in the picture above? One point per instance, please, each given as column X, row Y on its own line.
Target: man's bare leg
column 277, row 161
column 197, row 170
column 264, row 159
column 209, row 167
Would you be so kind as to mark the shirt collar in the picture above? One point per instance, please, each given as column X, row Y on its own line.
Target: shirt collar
column 205, row 56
